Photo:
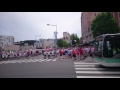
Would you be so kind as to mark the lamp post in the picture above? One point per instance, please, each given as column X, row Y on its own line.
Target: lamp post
column 56, row 31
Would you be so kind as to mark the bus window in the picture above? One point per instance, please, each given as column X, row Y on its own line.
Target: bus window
column 112, row 47
column 98, row 48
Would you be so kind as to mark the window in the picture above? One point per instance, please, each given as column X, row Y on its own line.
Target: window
column 1, row 39
column 98, row 46
column 95, row 14
column 89, row 30
column 13, row 39
column 1, row 44
column 9, row 39
column 112, row 47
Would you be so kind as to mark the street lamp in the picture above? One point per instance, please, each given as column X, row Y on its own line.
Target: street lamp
column 53, row 25
column 56, row 30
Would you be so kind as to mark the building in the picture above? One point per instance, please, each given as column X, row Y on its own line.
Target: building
column 46, row 43
column 27, row 44
column 12, row 48
column 6, row 40
column 86, row 20
column 66, row 37
column 116, row 15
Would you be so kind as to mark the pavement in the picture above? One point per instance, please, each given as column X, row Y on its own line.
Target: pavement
column 56, row 69
column 37, row 67
column 89, row 60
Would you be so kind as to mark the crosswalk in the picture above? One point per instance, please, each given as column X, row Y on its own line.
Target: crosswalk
column 27, row 61
column 94, row 70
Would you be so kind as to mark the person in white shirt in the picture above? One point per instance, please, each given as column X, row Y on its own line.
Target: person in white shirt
column 57, row 52
column 3, row 55
column 45, row 54
column 53, row 54
column 48, row 54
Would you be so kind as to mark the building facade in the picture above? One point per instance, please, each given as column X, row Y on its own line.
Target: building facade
column 86, row 20
column 116, row 15
column 6, row 41
column 46, row 43
column 12, row 48
column 66, row 37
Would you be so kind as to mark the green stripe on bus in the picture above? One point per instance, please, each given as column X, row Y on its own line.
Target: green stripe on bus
column 107, row 60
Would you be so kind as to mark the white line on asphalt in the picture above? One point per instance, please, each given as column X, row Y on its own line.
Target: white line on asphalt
column 54, row 60
column 97, row 72
column 40, row 61
column 98, row 76
column 86, row 63
column 36, row 60
column 13, row 62
column 28, row 61
column 89, row 69
column 49, row 60
column 85, row 66
column 33, row 61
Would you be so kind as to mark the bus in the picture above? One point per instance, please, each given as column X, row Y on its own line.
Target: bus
column 107, row 50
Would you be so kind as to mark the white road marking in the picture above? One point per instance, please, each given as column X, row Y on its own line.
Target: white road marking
column 85, row 66
column 98, row 72
column 98, row 76
column 54, row 60
column 86, row 63
column 89, row 69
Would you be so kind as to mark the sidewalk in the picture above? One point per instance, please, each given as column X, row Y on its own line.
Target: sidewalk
column 88, row 60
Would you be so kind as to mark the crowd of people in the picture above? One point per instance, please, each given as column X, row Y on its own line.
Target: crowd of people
column 19, row 54
column 72, row 53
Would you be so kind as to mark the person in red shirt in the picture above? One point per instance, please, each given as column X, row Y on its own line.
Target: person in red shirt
column 28, row 53
column 60, row 51
column 81, row 52
column 74, row 54
column 77, row 53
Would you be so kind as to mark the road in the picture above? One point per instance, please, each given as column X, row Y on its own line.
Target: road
column 37, row 67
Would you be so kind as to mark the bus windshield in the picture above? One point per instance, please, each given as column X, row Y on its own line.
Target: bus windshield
column 111, row 46
column 98, row 46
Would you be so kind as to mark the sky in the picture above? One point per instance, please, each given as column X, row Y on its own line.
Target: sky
column 27, row 25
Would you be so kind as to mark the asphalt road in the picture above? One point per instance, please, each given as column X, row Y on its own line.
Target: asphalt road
column 56, row 69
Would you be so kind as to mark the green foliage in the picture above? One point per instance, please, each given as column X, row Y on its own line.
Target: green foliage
column 104, row 23
column 75, row 39
column 62, row 43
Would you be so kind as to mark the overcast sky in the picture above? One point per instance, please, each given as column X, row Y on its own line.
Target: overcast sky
column 25, row 25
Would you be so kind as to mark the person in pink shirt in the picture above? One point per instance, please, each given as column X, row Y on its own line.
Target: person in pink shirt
column 77, row 53
column 74, row 54
column 60, row 52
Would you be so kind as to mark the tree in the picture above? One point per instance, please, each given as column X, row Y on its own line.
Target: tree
column 62, row 43
column 104, row 23
column 75, row 39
